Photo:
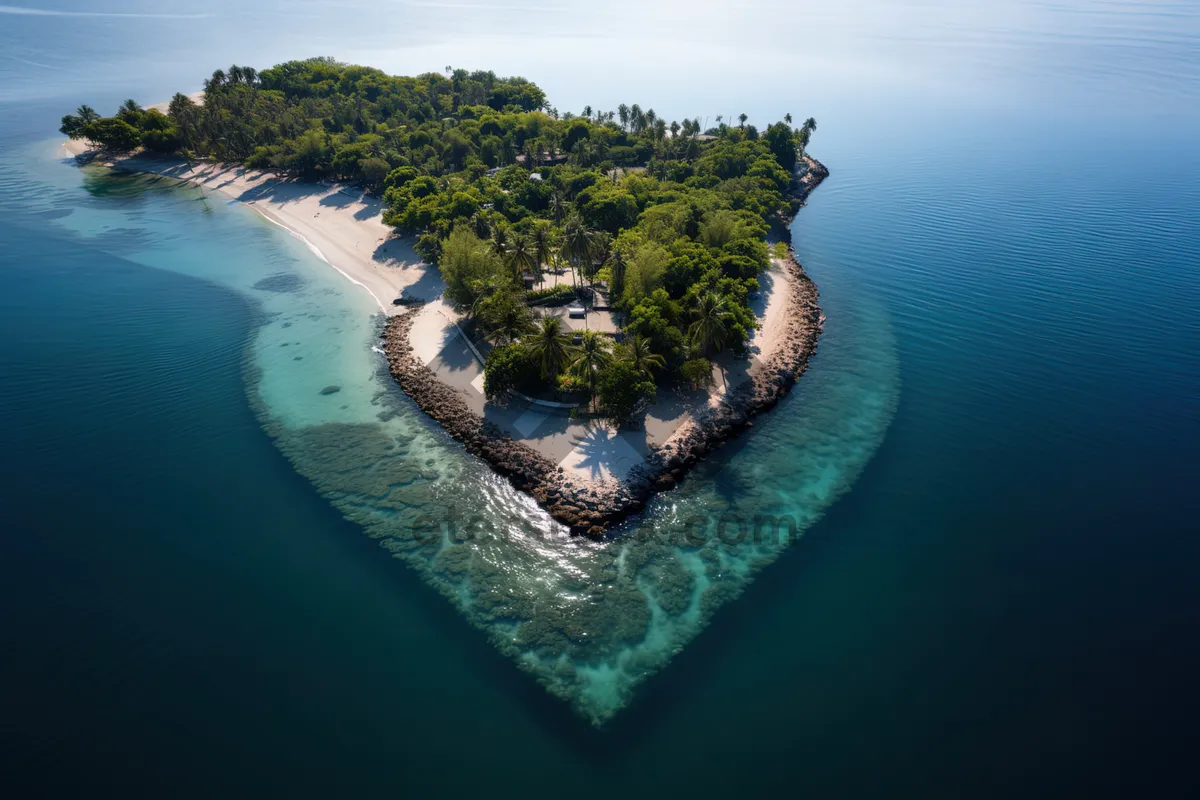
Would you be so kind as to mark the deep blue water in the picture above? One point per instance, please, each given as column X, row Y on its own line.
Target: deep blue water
column 1005, row 603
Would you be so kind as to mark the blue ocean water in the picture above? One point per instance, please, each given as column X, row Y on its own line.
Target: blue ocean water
column 1003, row 602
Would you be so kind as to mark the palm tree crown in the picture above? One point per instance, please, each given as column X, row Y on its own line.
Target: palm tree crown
column 710, row 331
column 593, row 354
column 541, row 244
column 577, row 242
column 510, row 323
column 551, row 346
column 520, row 255
column 636, row 352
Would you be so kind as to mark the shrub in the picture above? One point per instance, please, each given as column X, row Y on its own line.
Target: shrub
column 508, row 367
column 697, row 373
column 622, row 389
column 553, row 296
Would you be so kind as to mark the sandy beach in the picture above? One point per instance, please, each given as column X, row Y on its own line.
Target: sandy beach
column 342, row 225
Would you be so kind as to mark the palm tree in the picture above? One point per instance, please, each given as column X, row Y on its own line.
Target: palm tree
column 806, row 131
column 551, row 345
column 600, row 252
column 215, row 82
column 616, row 268
column 558, row 204
column 540, row 244
column 577, row 243
column 636, row 352
column 710, row 331
column 742, row 120
column 593, row 354
column 520, row 255
column 587, row 112
column 87, row 114
column 499, row 241
column 787, row 118
column 510, row 323
column 623, row 113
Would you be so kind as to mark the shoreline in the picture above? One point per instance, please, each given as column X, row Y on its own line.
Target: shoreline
column 340, row 225
column 592, row 507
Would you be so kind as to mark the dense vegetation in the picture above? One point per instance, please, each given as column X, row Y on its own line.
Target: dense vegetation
column 495, row 184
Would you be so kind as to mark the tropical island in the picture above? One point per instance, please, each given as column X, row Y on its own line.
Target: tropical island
column 615, row 294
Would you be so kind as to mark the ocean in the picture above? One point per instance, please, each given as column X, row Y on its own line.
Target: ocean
column 992, row 457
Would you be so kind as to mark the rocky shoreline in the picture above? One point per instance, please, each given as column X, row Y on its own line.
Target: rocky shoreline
column 589, row 507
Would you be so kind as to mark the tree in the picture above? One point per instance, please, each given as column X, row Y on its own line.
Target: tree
column 185, row 114
column 471, row 270
column 644, row 273
column 550, row 346
column 742, row 120
column 507, row 315
column 577, row 244
column 113, row 134
column 616, row 272
column 374, row 171
column 787, row 118
column 623, row 114
column 636, row 352
column 499, row 240
column 73, row 124
column 697, row 373
column 521, row 257
column 508, row 367
column 622, row 390
column 710, row 330
column 542, row 243
column 782, row 141
column 592, row 355
column 559, row 204
column 805, row 135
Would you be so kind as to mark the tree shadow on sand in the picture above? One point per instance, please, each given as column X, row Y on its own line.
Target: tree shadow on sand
column 604, row 452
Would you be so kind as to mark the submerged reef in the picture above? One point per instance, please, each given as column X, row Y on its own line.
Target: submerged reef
column 590, row 620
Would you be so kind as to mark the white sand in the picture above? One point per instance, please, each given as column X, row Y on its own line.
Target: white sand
column 774, row 314
column 601, row 453
column 341, row 225
column 432, row 330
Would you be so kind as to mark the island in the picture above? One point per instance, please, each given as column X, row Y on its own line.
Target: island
column 615, row 295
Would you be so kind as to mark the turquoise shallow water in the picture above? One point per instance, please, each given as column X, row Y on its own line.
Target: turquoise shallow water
column 1003, row 602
